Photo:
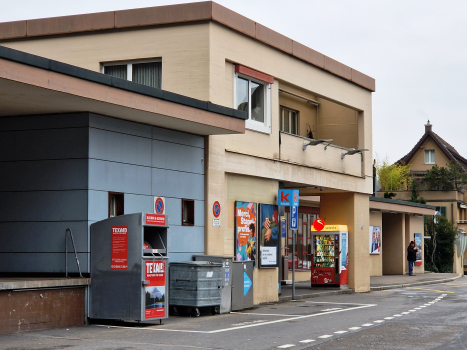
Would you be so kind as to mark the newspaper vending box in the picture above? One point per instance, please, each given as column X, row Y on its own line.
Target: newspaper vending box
column 129, row 264
column 329, row 265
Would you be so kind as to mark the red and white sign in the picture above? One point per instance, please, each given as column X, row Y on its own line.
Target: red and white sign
column 119, row 254
column 155, row 219
column 319, row 224
column 154, row 292
column 159, row 205
column 216, row 209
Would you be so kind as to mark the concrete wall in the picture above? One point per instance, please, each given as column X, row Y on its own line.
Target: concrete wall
column 57, row 172
column 351, row 209
column 393, row 248
column 376, row 260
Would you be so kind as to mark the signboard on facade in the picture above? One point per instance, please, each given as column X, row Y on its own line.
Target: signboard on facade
column 288, row 198
column 269, row 235
column 119, row 250
column 245, row 231
column 293, row 218
column 155, row 291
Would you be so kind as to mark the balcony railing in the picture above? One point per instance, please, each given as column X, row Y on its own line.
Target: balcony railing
column 324, row 156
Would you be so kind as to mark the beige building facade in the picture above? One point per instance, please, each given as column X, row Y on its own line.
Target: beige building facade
column 210, row 53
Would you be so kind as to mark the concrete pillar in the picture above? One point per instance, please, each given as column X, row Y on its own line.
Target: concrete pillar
column 351, row 209
column 393, row 232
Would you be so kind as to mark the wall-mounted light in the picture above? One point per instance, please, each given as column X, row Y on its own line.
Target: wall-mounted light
column 352, row 152
column 316, row 142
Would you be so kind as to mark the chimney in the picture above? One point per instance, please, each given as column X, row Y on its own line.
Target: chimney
column 428, row 126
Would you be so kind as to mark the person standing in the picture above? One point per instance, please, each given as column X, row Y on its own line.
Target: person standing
column 411, row 256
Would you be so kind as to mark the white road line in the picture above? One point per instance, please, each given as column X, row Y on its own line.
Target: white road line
column 307, row 341
column 152, row 329
column 252, row 313
column 397, row 315
column 325, row 336
column 289, row 319
column 422, row 305
column 326, row 302
column 354, row 328
column 443, row 295
column 388, row 318
column 367, row 324
column 378, row 321
column 427, row 304
column 340, row 332
column 405, row 313
column 418, row 308
column 285, row 346
column 413, row 310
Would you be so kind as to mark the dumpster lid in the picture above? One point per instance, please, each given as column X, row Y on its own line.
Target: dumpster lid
column 197, row 263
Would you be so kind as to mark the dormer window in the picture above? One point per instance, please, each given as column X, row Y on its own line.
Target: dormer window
column 430, row 156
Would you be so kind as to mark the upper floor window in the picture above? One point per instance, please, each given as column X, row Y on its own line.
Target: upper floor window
column 430, row 156
column 289, row 120
column 146, row 72
column 253, row 96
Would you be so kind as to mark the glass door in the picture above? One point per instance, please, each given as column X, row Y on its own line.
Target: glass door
column 323, row 251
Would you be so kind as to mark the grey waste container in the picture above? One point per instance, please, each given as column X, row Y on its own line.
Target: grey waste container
column 242, row 285
column 226, row 293
column 195, row 285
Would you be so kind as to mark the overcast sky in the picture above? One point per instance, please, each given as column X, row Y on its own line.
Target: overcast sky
column 416, row 50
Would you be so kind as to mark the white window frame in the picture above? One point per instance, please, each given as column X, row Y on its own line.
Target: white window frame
column 253, row 124
column 431, row 156
column 129, row 66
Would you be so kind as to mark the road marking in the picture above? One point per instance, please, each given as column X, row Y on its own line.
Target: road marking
column 418, row 308
column 405, row 313
column 413, row 310
column 431, row 290
column 307, row 341
column 252, row 313
column 336, row 308
column 354, row 328
column 325, row 336
column 340, row 332
column 326, row 302
column 285, row 346
column 427, row 304
column 378, row 321
column 388, row 318
column 397, row 315
column 422, row 305
column 367, row 324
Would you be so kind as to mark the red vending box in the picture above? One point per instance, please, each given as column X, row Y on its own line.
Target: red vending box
column 329, row 265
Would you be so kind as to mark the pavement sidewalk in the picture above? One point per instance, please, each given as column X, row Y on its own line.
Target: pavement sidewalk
column 303, row 290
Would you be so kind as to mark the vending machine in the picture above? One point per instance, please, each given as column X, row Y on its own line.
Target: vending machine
column 329, row 265
column 129, row 265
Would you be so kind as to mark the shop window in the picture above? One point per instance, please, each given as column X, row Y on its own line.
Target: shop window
column 188, row 212
column 289, row 120
column 430, row 156
column 116, row 204
column 253, row 96
column 145, row 72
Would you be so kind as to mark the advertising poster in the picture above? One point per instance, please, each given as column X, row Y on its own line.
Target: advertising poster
column 269, row 234
column 375, row 240
column 418, row 244
column 344, row 275
column 245, row 231
column 119, row 253
column 155, row 290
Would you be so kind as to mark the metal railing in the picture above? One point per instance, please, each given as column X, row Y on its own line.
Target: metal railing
column 66, row 253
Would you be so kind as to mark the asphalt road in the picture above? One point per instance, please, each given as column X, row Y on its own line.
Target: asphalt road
column 425, row 317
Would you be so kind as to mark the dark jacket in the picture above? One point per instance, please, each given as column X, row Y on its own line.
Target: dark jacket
column 411, row 253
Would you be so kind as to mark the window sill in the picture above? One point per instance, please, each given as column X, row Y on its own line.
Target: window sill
column 258, row 127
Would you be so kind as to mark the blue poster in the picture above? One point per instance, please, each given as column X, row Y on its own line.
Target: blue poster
column 268, row 227
column 418, row 244
column 344, row 251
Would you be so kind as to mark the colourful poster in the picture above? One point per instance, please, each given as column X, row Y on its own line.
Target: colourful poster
column 418, row 244
column 155, row 290
column 119, row 253
column 269, row 230
column 375, row 240
column 245, row 231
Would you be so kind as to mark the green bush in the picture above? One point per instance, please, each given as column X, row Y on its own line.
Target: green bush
column 439, row 250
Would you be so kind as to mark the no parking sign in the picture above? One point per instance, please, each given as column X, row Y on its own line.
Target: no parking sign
column 159, row 205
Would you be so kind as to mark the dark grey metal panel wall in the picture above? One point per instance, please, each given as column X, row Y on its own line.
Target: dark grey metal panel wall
column 43, row 191
column 142, row 162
